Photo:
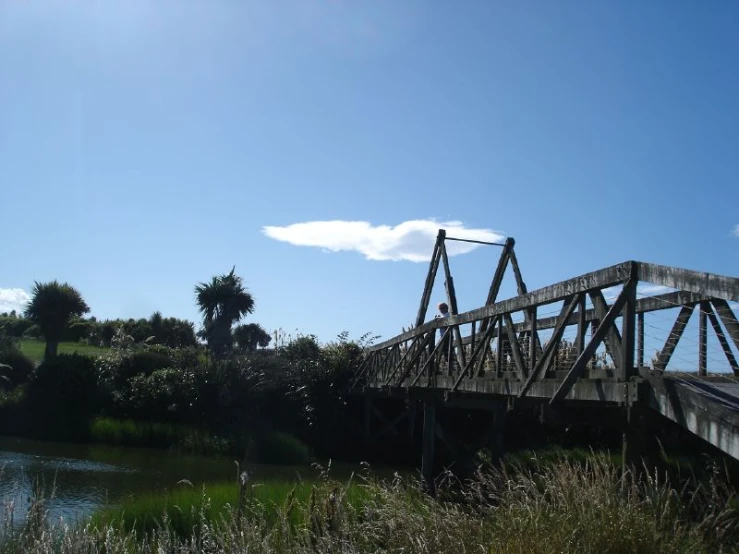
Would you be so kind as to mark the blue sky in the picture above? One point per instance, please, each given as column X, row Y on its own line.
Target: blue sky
column 146, row 146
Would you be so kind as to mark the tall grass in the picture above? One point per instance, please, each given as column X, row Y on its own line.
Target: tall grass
column 266, row 446
column 559, row 507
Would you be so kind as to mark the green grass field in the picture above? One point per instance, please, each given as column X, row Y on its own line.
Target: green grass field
column 34, row 349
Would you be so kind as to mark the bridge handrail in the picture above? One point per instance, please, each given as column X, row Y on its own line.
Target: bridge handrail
column 602, row 278
column 707, row 285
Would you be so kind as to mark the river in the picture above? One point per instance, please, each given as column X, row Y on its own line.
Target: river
column 77, row 479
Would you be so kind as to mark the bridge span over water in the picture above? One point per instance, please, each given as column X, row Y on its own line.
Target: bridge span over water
column 628, row 339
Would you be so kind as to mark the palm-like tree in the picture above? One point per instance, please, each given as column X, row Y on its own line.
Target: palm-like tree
column 250, row 336
column 52, row 307
column 223, row 302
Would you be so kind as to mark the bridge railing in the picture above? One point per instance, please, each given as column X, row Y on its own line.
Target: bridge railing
column 601, row 325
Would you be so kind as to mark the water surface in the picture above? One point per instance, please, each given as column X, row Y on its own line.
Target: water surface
column 77, row 479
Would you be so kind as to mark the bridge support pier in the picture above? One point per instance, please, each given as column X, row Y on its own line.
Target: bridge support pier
column 429, row 446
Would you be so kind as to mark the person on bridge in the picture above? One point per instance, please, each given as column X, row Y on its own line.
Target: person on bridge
column 443, row 332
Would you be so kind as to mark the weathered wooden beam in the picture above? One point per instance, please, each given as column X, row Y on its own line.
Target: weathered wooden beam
column 626, row 366
column 497, row 279
column 521, row 369
column 543, row 364
column 533, row 342
column 429, row 362
column 520, row 285
column 674, row 337
column 582, row 360
column 456, row 336
column 728, row 319
column 399, row 365
column 640, row 340
column 703, row 338
column 390, row 426
column 708, row 284
column 722, row 340
column 499, row 351
column 416, row 356
column 430, row 278
column 582, row 325
column 595, row 280
column 478, row 354
column 665, row 301
column 613, row 337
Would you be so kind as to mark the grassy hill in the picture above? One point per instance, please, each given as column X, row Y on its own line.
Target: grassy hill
column 34, row 349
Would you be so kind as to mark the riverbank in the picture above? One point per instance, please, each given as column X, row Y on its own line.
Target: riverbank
column 562, row 506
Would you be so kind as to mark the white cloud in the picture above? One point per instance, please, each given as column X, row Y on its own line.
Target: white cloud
column 13, row 299
column 642, row 289
column 410, row 241
column 735, row 231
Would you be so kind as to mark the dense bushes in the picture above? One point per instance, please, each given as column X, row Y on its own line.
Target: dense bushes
column 168, row 331
column 296, row 389
column 15, row 367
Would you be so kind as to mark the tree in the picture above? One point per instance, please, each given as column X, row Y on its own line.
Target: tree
column 251, row 335
column 52, row 307
column 223, row 302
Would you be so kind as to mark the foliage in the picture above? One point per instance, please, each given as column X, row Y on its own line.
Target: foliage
column 562, row 507
column 15, row 366
column 250, row 336
column 132, row 432
column 223, row 302
column 52, row 307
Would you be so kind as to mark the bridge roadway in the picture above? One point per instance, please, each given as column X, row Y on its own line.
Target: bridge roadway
column 505, row 353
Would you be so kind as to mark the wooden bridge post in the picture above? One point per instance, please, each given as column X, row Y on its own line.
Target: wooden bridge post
column 703, row 308
column 628, row 329
column 368, row 407
column 429, row 445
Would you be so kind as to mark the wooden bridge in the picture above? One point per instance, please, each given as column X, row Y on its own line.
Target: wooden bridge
column 578, row 344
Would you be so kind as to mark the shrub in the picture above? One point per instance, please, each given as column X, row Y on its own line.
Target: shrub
column 165, row 394
column 18, row 366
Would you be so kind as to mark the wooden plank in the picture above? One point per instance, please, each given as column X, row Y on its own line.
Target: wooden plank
column 703, row 338
column 582, row 360
column 707, row 284
column 602, row 278
column 674, row 337
column 722, row 340
column 728, row 319
column 521, row 369
column 543, row 363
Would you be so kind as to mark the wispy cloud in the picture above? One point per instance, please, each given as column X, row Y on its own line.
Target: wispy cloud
column 13, row 299
column 735, row 231
column 411, row 241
